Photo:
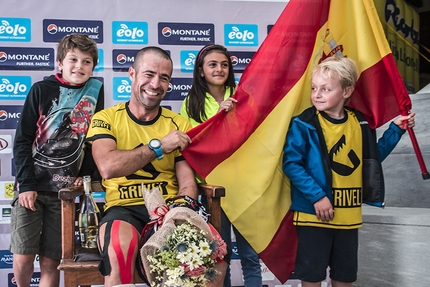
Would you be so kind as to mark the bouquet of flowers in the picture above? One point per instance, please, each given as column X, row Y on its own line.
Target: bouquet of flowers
column 184, row 249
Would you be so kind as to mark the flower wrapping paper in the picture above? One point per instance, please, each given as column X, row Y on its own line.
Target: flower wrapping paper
column 154, row 202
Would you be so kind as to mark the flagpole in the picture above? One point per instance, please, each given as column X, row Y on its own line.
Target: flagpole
column 425, row 173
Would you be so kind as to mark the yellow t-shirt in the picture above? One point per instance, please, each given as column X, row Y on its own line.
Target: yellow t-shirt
column 211, row 107
column 118, row 123
column 344, row 143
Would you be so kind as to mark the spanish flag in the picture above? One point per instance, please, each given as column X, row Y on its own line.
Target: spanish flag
column 242, row 150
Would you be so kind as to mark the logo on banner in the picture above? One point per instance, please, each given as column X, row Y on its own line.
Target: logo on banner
column 6, row 212
column 34, row 281
column 5, row 144
column 405, row 26
column 15, row 29
column 14, row 87
column 266, row 274
column 237, row 81
column 240, row 60
column 17, row 58
column 122, row 60
column 55, row 29
column 9, row 116
column 121, row 88
column 234, row 251
column 124, row 32
column 241, row 34
column 178, row 89
column 7, row 190
column 6, row 259
column 100, row 66
column 185, row 33
column 188, row 58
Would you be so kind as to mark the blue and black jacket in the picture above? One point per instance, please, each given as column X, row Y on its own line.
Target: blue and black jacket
column 307, row 164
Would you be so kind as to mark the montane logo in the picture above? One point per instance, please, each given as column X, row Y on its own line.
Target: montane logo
column 121, row 59
column 3, row 115
column 167, row 32
column 52, row 29
column 3, row 56
column 234, row 60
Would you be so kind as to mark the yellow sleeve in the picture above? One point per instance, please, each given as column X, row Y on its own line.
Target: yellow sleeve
column 100, row 126
column 183, row 111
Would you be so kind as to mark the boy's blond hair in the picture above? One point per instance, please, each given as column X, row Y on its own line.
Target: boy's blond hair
column 341, row 68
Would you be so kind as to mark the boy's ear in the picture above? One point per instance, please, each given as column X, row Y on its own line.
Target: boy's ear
column 348, row 91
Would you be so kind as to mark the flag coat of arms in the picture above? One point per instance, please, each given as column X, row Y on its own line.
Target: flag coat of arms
column 242, row 150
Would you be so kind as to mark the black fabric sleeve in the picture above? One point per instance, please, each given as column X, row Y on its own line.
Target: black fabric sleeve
column 24, row 138
column 88, row 165
column 100, row 100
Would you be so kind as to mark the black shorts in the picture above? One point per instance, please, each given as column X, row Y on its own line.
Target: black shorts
column 136, row 215
column 319, row 248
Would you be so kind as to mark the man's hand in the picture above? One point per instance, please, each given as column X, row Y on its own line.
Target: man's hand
column 324, row 210
column 27, row 199
column 175, row 140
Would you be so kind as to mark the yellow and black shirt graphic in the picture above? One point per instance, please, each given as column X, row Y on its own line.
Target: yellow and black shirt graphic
column 119, row 124
column 344, row 143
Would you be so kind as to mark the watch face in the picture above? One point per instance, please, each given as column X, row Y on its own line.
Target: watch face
column 155, row 143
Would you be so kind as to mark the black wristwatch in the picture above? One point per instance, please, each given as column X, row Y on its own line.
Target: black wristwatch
column 155, row 145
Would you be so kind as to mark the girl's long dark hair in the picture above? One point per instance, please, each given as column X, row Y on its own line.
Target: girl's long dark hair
column 195, row 102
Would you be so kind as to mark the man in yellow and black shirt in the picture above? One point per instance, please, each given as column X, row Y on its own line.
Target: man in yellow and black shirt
column 135, row 143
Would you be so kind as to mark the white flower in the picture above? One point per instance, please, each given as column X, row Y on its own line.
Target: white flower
column 184, row 257
column 173, row 282
column 195, row 262
column 194, row 249
column 205, row 249
column 175, row 273
column 188, row 283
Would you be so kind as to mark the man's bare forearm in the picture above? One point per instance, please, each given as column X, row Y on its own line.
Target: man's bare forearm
column 117, row 163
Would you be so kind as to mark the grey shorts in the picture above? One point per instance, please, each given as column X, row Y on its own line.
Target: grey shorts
column 37, row 232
